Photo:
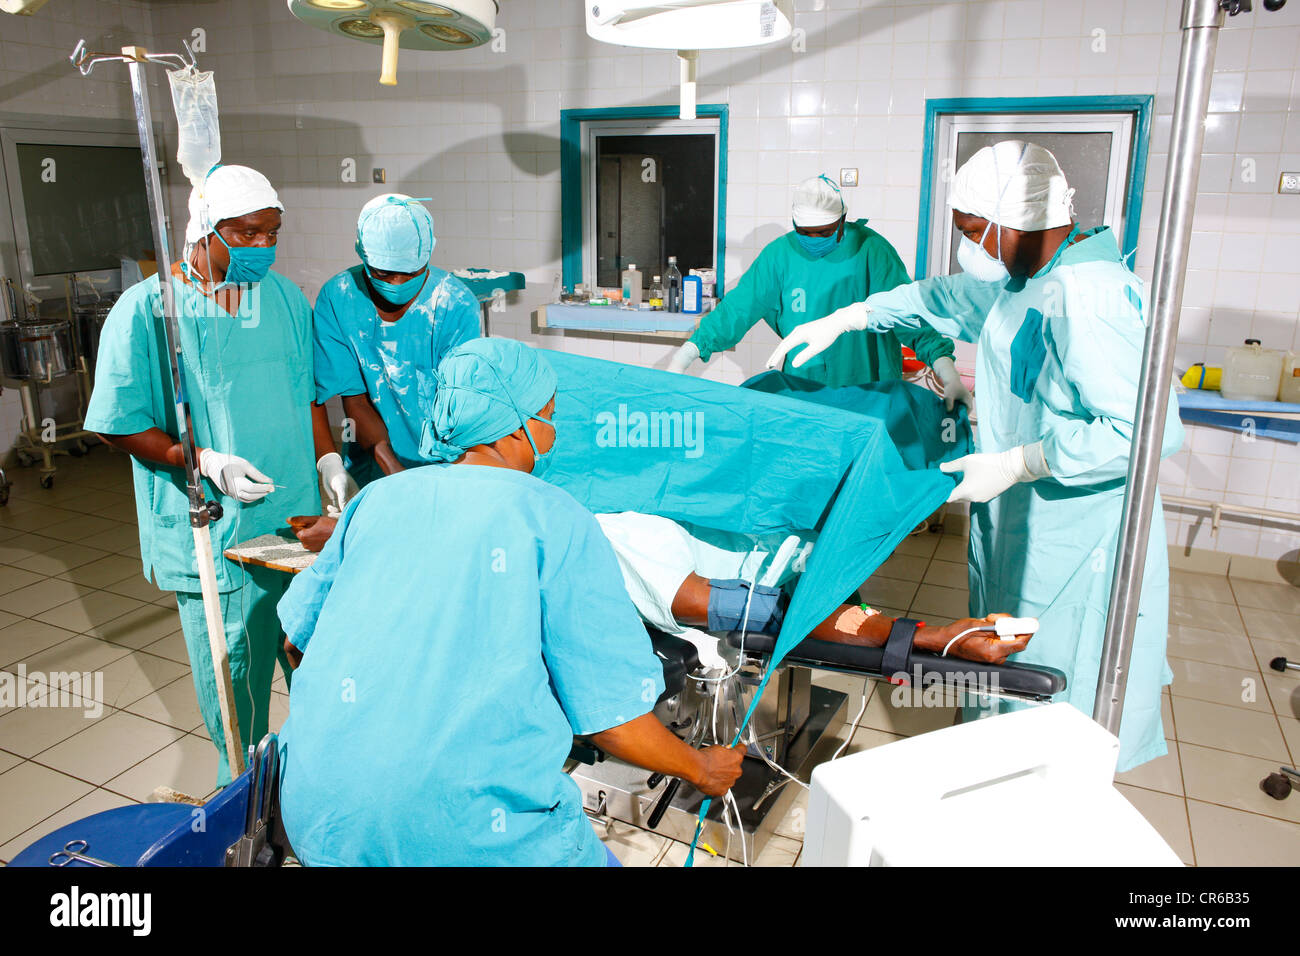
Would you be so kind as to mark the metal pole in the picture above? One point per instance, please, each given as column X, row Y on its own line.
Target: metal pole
column 1201, row 22
column 200, row 513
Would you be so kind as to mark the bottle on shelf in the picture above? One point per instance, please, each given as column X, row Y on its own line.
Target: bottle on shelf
column 673, row 287
column 632, row 286
column 657, row 294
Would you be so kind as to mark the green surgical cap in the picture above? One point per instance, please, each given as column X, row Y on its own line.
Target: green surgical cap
column 395, row 234
column 487, row 389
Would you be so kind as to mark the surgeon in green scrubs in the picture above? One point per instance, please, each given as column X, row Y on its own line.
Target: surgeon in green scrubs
column 825, row 263
column 1061, row 322
column 247, row 365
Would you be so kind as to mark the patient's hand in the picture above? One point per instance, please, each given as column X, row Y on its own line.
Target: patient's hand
column 983, row 646
column 312, row 530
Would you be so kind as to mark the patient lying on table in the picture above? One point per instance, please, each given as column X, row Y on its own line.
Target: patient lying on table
column 682, row 576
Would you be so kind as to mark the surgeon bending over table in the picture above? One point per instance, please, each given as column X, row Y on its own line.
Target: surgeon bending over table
column 464, row 621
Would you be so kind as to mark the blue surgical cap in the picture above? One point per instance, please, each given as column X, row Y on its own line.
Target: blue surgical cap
column 395, row 234
column 487, row 389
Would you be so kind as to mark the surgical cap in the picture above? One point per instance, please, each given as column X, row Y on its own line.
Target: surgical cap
column 395, row 234
column 817, row 202
column 227, row 193
column 487, row 389
column 1015, row 184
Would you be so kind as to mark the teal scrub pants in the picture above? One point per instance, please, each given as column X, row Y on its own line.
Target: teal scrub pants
column 255, row 642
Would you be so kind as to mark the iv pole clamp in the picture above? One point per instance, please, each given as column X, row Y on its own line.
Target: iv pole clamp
column 202, row 511
column 1201, row 21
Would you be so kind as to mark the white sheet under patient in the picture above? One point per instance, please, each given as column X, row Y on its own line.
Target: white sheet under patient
column 656, row 554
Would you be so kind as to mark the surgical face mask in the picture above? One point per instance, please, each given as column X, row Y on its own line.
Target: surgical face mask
column 398, row 293
column 248, row 264
column 819, row 246
column 979, row 264
column 541, row 462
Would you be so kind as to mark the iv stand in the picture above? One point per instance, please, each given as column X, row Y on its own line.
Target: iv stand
column 202, row 512
column 1201, row 21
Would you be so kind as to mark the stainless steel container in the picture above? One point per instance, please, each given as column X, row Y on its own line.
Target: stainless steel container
column 37, row 351
column 90, row 325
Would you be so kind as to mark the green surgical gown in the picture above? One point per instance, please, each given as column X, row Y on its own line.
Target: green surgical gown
column 1059, row 362
column 461, row 625
column 786, row 287
column 250, row 387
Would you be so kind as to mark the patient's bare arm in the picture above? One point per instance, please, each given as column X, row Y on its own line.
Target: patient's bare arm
column 372, row 433
column 852, row 625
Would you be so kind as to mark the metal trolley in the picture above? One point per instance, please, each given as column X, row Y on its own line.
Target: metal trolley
column 36, row 351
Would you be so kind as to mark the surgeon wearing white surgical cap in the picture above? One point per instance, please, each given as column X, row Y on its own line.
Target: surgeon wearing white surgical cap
column 246, row 363
column 824, row 263
column 1061, row 322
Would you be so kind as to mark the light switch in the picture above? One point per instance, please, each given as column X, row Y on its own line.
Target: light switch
column 848, row 176
column 379, row 175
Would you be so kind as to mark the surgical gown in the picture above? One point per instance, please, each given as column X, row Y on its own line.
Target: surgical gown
column 1059, row 361
column 250, row 387
column 462, row 624
column 358, row 353
column 786, row 287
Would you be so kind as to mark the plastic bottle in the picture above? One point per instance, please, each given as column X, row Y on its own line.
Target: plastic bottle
column 657, row 293
column 692, row 295
column 1251, row 373
column 632, row 286
column 1290, row 390
column 673, row 287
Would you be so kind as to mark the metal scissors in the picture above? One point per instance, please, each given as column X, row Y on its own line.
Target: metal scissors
column 75, row 851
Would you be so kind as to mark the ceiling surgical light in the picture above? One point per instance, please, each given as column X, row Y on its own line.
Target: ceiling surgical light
column 689, row 26
column 412, row 24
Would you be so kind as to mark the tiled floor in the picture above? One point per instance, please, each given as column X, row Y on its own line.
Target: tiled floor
column 72, row 598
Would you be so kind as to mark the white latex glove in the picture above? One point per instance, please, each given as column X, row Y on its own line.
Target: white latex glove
column 235, row 476
column 818, row 335
column 683, row 357
column 954, row 389
column 986, row 475
column 338, row 483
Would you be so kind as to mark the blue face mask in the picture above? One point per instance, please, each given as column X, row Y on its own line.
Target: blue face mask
column 541, row 462
column 398, row 293
column 819, row 246
column 248, row 264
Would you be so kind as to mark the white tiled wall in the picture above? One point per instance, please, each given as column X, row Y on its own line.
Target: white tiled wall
column 478, row 132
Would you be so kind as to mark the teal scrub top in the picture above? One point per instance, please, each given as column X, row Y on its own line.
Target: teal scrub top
column 462, row 624
column 358, row 353
column 250, row 387
column 786, row 287
column 1059, row 361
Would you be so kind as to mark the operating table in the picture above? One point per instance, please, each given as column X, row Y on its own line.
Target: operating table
column 794, row 726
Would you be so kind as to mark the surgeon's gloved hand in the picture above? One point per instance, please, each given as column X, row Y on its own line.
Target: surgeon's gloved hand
column 338, row 483
column 954, row 389
column 235, row 476
column 986, row 475
column 684, row 357
column 817, row 336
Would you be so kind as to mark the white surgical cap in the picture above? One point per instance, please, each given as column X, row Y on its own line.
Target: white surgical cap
column 1015, row 184
column 227, row 193
column 817, row 202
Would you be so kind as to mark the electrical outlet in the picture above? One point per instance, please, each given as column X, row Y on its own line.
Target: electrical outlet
column 848, row 176
column 1290, row 183
column 379, row 175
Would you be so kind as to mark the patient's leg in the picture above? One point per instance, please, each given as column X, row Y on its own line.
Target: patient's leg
column 848, row 625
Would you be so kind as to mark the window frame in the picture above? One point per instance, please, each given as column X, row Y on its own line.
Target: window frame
column 578, row 132
column 1127, row 116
